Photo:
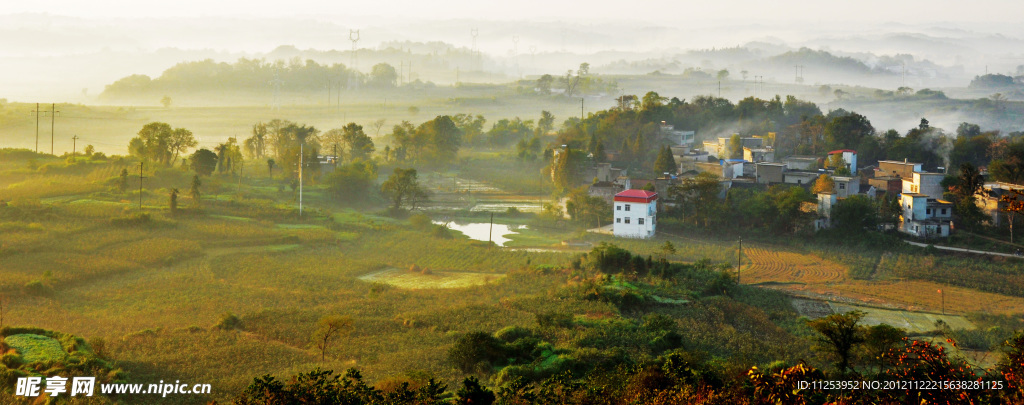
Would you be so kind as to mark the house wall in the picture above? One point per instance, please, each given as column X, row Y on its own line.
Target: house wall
column 769, row 174
column 928, row 184
column 799, row 178
column 904, row 170
column 846, row 186
column 801, row 163
column 634, row 213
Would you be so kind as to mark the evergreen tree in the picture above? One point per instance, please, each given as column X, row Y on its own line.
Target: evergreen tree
column 193, row 191
column 665, row 163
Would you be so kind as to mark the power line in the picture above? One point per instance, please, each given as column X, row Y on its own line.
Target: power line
column 36, row 111
column 141, row 164
column 53, row 117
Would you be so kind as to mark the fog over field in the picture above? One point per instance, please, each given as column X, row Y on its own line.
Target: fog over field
column 71, row 50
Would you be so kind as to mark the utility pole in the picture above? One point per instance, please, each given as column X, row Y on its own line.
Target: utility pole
column 240, row 170
column 943, row 297
column 739, row 254
column 53, row 115
column 491, row 229
column 141, row 164
column 37, row 126
column 74, row 145
column 301, row 153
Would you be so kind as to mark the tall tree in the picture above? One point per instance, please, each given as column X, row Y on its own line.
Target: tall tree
column 840, row 333
column 665, row 163
column 403, row 188
column 181, row 140
column 824, row 184
column 327, row 330
column 357, row 144
column 203, row 162
column 969, row 183
column 193, row 190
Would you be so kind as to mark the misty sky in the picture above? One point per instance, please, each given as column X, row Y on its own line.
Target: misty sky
column 683, row 12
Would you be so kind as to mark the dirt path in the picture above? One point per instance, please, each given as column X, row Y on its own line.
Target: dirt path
column 953, row 249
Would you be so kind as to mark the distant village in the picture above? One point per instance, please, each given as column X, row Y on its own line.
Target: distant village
column 923, row 212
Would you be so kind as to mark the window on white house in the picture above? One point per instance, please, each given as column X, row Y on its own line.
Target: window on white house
column 798, row 181
column 842, row 186
column 943, row 211
column 640, row 221
column 928, row 211
column 618, row 208
column 627, row 220
column 618, row 220
column 627, row 207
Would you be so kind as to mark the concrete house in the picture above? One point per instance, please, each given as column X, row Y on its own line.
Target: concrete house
column 923, row 213
column 846, row 186
column 894, row 168
column 798, row 162
column 635, row 214
column 676, row 138
column 924, row 183
column 800, row 177
column 769, row 173
column 849, row 156
column 988, row 200
column 756, row 155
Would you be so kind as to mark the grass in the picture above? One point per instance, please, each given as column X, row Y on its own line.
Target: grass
column 36, row 348
column 250, row 254
column 432, row 279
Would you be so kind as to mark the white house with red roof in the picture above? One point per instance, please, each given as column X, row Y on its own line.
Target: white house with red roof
column 849, row 156
column 635, row 214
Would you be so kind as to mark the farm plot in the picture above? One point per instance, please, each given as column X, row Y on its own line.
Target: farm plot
column 789, row 267
column 912, row 322
column 429, row 280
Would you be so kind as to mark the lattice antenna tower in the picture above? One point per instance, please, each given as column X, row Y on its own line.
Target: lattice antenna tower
column 515, row 53
column 353, row 35
column 474, row 32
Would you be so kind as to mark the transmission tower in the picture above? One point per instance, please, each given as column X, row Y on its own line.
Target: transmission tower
column 353, row 35
column 798, row 72
column 475, row 51
column 515, row 54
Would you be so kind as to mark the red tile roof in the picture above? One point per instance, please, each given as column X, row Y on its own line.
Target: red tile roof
column 634, row 195
column 841, row 151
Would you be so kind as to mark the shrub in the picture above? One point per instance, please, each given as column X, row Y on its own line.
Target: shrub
column 39, row 288
column 229, row 321
column 476, row 351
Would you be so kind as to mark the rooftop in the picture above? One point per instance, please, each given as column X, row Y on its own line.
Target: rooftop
column 842, row 151
column 635, row 193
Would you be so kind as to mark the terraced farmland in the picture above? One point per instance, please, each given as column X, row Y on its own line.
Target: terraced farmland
column 789, row 267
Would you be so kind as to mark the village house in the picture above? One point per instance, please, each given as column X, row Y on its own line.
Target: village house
column 989, row 200
column 720, row 147
column 849, row 156
column 757, row 155
column 635, row 214
column 887, row 184
column 605, row 190
column 769, row 173
column 923, row 213
column 602, row 172
column 800, row 162
column 846, row 186
column 904, row 169
column 676, row 138
column 800, row 177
